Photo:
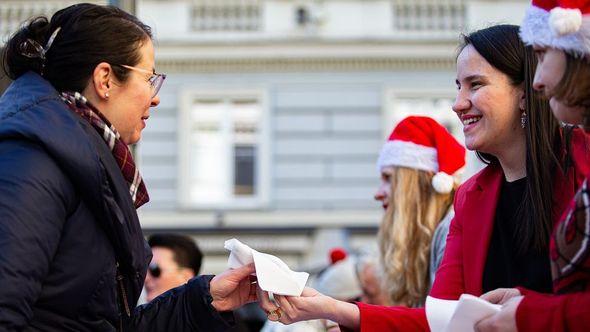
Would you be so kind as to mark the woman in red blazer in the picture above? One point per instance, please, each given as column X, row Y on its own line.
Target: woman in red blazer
column 513, row 130
column 563, row 75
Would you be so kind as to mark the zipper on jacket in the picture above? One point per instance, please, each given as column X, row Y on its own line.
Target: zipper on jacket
column 123, row 293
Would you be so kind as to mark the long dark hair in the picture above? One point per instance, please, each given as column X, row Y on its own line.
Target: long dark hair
column 502, row 48
column 89, row 34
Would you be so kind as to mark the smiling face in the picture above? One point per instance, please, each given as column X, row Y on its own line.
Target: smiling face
column 129, row 102
column 487, row 103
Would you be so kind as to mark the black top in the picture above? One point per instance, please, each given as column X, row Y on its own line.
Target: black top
column 505, row 266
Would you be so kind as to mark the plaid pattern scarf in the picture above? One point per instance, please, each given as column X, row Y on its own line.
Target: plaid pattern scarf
column 570, row 246
column 80, row 105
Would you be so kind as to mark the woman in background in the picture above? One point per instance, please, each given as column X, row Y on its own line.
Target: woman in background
column 419, row 166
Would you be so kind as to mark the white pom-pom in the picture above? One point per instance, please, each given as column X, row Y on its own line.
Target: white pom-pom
column 443, row 182
column 564, row 21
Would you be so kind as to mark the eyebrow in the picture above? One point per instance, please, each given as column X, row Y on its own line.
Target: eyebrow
column 471, row 78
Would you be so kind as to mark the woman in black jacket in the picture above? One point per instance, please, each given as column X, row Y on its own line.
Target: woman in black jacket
column 72, row 254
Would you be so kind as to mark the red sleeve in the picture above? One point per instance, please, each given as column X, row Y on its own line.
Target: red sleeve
column 381, row 318
column 544, row 312
column 448, row 284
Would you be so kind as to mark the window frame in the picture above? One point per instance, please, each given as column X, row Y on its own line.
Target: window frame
column 263, row 172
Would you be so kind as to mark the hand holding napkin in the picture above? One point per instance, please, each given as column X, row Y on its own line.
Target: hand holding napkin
column 461, row 315
column 273, row 274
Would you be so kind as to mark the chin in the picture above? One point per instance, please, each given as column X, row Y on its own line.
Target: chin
column 134, row 139
column 471, row 145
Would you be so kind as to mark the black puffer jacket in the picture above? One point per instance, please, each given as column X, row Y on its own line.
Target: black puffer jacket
column 72, row 255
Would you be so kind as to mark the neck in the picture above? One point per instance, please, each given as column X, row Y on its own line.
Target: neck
column 513, row 160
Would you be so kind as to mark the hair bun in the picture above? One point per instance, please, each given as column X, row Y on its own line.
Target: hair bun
column 21, row 50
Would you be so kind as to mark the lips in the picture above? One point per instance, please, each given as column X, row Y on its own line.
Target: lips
column 470, row 119
column 144, row 119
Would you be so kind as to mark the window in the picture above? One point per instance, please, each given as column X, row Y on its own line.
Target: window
column 432, row 16
column 224, row 148
column 226, row 15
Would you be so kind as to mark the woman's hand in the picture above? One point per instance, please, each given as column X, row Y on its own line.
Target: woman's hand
column 311, row 305
column 504, row 321
column 233, row 288
column 500, row 295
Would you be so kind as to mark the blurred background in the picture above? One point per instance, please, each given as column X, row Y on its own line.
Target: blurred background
column 273, row 112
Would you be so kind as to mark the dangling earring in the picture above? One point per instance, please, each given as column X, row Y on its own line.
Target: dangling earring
column 523, row 119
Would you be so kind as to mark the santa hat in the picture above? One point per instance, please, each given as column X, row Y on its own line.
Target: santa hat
column 564, row 25
column 340, row 280
column 421, row 143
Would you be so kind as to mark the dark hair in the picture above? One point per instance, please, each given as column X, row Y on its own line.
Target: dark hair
column 502, row 48
column 574, row 87
column 90, row 34
column 186, row 252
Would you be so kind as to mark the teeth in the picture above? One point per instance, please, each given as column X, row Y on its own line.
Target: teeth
column 470, row 121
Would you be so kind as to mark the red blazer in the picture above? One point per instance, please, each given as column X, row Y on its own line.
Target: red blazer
column 461, row 270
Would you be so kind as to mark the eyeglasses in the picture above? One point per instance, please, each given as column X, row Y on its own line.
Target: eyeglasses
column 156, row 271
column 156, row 80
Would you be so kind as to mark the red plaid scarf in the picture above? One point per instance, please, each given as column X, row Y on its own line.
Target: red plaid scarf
column 570, row 246
column 80, row 105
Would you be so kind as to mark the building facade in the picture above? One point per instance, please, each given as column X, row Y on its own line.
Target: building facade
column 274, row 111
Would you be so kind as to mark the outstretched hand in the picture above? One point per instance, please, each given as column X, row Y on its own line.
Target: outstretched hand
column 311, row 305
column 233, row 288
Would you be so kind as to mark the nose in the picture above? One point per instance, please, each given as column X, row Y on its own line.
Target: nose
column 538, row 81
column 462, row 103
column 380, row 195
column 155, row 101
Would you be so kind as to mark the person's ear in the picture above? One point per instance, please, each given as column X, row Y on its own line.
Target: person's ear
column 101, row 80
column 187, row 273
column 522, row 102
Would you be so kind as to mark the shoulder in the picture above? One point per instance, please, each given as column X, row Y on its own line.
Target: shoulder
column 580, row 147
column 24, row 163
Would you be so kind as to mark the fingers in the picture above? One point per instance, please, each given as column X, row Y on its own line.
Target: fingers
column 500, row 295
column 243, row 272
column 290, row 312
column 264, row 301
column 283, row 303
column 494, row 296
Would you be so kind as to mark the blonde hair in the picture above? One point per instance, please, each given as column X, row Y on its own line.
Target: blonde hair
column 405, row 234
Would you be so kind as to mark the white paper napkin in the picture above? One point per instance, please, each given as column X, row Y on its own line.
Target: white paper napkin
column 273, row 274
column 461, row 315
